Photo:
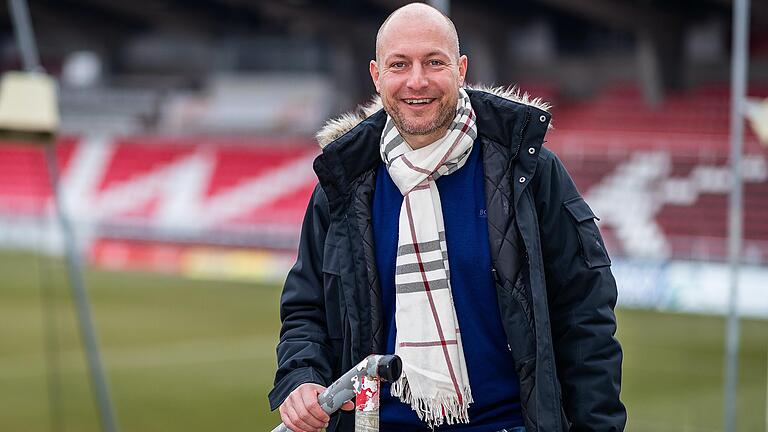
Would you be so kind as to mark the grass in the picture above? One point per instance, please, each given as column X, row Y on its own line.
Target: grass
column 673, row 372
column 180, row 355
column 185, row 355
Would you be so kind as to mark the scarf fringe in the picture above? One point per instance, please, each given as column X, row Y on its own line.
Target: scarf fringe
column 435, row 411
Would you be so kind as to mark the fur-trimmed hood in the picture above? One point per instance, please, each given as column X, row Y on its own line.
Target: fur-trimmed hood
column 335, row 128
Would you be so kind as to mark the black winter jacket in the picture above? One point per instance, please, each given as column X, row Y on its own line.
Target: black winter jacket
column 555, row 289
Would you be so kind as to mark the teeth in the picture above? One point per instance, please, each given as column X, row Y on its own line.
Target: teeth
column 417, row 101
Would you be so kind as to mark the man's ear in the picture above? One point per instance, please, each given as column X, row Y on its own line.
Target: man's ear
column 462, row 70
column 373, row 68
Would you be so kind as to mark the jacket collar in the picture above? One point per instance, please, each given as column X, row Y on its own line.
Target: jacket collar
column 350, row 142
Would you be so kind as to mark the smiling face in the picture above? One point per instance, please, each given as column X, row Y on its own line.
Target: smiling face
column 418, row 73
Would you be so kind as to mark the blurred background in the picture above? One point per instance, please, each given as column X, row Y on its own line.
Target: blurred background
column 186, row 147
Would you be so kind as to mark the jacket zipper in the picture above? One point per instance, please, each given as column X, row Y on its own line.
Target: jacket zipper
column 523, row 129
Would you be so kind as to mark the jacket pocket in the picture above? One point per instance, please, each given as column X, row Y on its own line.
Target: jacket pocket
column 564, row 418
column 526, row 374
column 590, row 241
column 517, row 319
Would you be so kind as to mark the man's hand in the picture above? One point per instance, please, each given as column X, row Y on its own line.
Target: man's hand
column 302, row 413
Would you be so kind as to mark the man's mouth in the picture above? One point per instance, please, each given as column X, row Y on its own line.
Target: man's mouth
column 422, row 101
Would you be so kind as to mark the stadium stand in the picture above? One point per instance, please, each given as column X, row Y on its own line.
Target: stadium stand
column 657, row 177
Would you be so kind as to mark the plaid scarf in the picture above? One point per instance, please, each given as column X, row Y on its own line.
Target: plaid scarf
column 434, row 380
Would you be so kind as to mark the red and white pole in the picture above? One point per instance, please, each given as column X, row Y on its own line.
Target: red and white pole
column 367, row 404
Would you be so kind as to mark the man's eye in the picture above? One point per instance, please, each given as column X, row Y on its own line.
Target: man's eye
column 435, row 63
column 397, row 65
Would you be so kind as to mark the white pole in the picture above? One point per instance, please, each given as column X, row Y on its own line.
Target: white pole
column 739, row 63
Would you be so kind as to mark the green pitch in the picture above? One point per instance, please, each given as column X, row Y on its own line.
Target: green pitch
column 192, row 356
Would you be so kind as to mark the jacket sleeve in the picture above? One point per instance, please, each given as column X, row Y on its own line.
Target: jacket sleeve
column 303, row 352
column 582, row 295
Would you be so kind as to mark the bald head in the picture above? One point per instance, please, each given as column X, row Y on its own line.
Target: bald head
column 417, row 14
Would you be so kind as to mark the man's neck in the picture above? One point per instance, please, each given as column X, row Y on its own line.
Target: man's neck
column 419, row 141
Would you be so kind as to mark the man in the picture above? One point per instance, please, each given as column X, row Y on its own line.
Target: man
column 441, row 230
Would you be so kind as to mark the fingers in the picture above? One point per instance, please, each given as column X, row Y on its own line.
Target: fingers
column 309, row 399
column 293, row 421
column 348, row 406
column 301, row 412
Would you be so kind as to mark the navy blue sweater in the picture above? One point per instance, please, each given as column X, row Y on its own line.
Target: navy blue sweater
column 495, row 386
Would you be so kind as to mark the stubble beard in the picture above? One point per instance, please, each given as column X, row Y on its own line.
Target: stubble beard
column 445, row 114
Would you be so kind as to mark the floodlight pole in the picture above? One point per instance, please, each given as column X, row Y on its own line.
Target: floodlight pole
column 85, row 320
column 31, row 60
column 739, row 63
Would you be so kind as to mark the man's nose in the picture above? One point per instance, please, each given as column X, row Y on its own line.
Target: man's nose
column 417, row 80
